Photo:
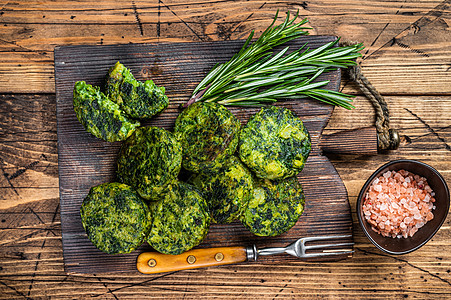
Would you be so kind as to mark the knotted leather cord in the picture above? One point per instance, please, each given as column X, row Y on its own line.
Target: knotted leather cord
column 388, row 139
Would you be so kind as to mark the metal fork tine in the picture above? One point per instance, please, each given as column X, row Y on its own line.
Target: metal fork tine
column 312, row 255
column 327, row 246
column 326, row 237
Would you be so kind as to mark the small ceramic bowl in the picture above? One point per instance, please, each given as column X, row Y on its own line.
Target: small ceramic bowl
column 425, row 233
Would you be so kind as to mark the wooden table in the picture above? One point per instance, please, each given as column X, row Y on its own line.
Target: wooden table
column 407, row 58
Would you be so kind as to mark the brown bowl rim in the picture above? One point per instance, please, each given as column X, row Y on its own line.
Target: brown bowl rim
column 370, row 180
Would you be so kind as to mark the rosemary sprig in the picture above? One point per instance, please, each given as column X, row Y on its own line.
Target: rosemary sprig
column 256, row 76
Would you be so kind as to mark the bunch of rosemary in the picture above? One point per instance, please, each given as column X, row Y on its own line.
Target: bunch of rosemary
column 256, row 75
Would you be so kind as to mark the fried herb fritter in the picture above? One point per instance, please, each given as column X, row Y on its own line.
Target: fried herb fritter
column 149, row 161
column 101, row 116
column 274, row 143
column 139, row 100
column 209, row 133
column 180, row 220
column 227, row 189
column 274, row 207
column 115, row 218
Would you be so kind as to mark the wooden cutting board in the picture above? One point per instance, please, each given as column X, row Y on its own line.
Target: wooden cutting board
column 85, row 161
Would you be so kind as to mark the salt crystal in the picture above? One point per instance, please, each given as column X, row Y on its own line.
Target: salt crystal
column 394, row 205
column 378, row 188
column 412, row 231
column 407, row 179
column 417, row 216
column 432, row 194
column 419, row 225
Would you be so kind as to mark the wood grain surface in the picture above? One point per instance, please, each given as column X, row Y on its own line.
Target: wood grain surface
column 408, row 42
column 407, row 58
column 85, row 161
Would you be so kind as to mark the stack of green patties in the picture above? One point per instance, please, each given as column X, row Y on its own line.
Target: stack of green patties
column 150, row 161
column 148, row 202
column 246, row 174
column 260, row 187
column 275, row 145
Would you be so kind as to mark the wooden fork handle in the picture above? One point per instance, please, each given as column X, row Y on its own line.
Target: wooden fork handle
column 154, row 262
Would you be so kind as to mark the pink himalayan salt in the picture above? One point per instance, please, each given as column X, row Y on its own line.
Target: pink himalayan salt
column 398, row 203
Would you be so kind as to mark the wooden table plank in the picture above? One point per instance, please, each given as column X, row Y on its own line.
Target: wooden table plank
column 408, row 43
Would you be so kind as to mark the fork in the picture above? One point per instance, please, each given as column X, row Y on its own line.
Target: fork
column 154, row 262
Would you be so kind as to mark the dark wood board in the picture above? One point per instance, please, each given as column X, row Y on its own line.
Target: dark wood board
column 85, row 161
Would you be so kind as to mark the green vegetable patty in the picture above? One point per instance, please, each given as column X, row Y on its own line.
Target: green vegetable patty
column 140, row 100
column 208, row 132
column 149, row 161
column 180, row 220
column 274, row 143
column 274, row 207
column 227, row 189
column 115, row 218
column 101, row 116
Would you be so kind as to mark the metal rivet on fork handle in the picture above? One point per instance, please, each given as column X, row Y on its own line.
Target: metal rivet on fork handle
column 191, row 259
column 219, row 256
column 152, row 263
